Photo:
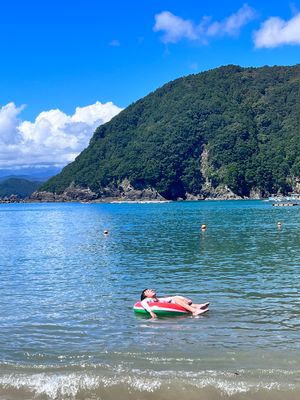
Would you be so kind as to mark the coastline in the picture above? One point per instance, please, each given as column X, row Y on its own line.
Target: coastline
column 86, row 196
column 117, row 200
column 124, row 192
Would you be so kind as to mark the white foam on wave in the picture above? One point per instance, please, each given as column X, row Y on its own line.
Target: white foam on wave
column 53, row 386
column 70, row 385
column 231, row 388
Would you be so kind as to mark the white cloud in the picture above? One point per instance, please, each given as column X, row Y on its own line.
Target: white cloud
column 232, row 25
column 176, row 28
column 54, row 138
column 8, row 123
column 276, row 32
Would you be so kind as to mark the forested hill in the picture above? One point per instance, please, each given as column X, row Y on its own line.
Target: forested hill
column 231, row 126
column 17, row 186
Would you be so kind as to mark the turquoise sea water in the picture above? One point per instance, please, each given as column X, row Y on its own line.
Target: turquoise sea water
column 67, row 329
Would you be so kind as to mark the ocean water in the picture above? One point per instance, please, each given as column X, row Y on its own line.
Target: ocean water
column 67, row 329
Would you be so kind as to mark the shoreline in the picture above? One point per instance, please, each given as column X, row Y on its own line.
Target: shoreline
column 126, row 193
column 54, row 383
column 120, row 201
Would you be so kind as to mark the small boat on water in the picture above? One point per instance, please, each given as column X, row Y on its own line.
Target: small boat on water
column 293, row 199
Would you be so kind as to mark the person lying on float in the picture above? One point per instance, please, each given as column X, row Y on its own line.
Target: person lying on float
column 149, row 296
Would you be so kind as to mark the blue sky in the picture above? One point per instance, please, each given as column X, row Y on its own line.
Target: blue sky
column 92, row 54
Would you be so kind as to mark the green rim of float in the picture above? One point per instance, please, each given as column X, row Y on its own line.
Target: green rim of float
column 161, row 309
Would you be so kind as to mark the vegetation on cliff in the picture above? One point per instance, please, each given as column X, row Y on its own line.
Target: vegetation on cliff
column 17, row 186
column 243, row 122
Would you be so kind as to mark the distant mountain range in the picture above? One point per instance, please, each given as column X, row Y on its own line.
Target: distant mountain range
column 17, row 186
column 24, row 181
column 31, row 173
column 231, row 127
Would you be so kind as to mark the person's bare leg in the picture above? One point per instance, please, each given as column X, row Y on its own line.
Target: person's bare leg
column 190, row 303
column 200, row 311
column 181, row 302
column 202, row 306
column 191, row 308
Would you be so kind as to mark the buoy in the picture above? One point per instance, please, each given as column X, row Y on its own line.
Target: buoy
column 203, row 227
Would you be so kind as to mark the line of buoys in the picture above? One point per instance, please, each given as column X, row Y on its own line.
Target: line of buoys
column 204, row 227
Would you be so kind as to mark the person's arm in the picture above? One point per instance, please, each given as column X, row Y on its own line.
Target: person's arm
column 146, row 306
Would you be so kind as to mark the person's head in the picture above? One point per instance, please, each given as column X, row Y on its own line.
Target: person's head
column 148, row 293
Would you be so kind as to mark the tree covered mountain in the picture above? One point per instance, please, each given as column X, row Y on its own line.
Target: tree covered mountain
column 231, row 126
column 17, row 186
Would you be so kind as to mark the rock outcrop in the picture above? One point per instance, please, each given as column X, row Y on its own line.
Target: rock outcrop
column 221, row 193
column 124, row 191
column 11, row 199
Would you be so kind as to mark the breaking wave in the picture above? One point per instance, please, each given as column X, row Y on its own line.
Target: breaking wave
column 103, row 383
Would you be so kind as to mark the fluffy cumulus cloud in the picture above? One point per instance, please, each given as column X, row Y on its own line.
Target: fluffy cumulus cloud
column 175, row 28
column 9, row 122
column 54, row 138
column 276, row 32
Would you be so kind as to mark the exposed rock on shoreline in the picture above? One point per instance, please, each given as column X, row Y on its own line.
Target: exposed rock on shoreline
column 122, row 192
column 11, row 199
column 125, row 192
column 220, row 193
column 72, row 193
